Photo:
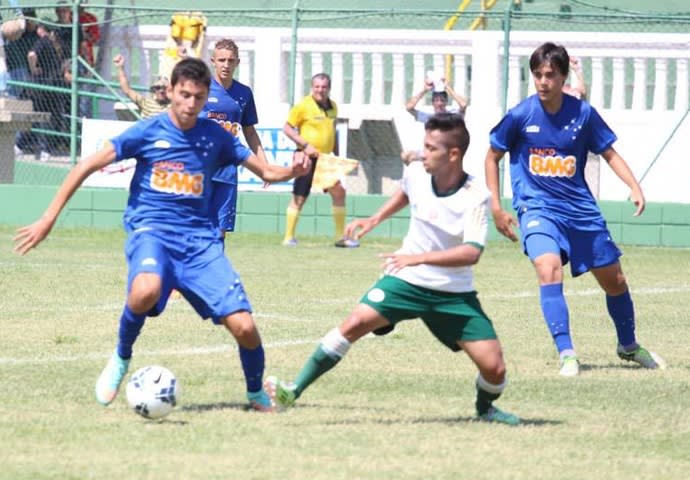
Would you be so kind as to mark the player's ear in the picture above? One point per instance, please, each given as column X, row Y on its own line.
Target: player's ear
column 455, row 154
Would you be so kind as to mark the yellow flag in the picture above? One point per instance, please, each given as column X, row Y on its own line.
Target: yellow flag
column 330, row 169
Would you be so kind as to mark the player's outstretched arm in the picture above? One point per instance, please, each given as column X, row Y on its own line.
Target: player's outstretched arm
column 503, row 220
column 622, row 170
column 30, row 236
column 275, row 173
column 358, row 228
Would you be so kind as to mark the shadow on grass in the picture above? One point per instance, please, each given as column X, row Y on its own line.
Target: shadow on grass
column 207, row 407
column 585, row 367
column 455, row 420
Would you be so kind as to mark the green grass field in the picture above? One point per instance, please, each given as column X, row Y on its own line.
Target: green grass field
column 398, row 407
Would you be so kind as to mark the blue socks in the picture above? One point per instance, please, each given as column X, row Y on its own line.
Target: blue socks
column 622, row 312
column 130, row 327
column 253, row 362
column 556, row 315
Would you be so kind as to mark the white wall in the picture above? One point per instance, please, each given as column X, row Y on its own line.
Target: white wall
column 375, row 70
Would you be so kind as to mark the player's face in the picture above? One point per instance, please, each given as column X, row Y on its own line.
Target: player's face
column 320, row 89
column 436, row 155
column 187, row 98
column 548, row 83
column 225, row 62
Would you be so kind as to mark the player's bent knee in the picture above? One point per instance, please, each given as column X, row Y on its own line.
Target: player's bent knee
column 143, row 296
column 242, row 327
column 361, row 321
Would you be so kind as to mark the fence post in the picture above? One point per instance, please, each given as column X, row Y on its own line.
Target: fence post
column 293, row 53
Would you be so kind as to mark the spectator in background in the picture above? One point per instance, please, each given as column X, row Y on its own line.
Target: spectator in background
column 440, row 90
column 45, row 61
column 17, row 54
column 64, row 30
column 92, row 33
column 150, row 105
column 578, row 88
column 439, row 100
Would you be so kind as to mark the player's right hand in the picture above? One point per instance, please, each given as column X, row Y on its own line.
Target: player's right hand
column 30, row 236
column 119, row 60
column 504, row 224
column 301, row 163
column 357, row 228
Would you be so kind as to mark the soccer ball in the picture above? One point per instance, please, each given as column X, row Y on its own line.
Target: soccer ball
column 152, row 391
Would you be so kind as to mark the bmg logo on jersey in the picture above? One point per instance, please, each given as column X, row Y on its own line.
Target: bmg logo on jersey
column 171, row 178
column 545, row 163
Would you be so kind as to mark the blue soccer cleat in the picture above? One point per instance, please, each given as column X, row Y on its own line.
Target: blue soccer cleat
column 108, row 383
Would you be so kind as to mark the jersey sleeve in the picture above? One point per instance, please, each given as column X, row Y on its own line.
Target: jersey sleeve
column 233, row 152
column 295, row 115
column 407, row 172
column 249, row 115
column 477, row 224
column 601, row 135
column 128, row 143
column 504, row 134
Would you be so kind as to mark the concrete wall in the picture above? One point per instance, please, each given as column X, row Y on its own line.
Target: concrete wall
column 662, row 224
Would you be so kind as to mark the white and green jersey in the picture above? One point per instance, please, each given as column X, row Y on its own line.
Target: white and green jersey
column 442, row 222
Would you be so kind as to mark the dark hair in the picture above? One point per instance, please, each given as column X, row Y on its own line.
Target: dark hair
column 554, row 55
column 450, row 123
column 443, row 95
column 321, row 76
column 192, row 69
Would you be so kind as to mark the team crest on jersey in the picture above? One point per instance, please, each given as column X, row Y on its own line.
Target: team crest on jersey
column 212, row 100
column 544, row 162
column 532, row 129
column 161, row 144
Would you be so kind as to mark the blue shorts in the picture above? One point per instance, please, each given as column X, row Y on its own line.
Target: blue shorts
column 195, row 266
column 585, row 246
column 224, row 205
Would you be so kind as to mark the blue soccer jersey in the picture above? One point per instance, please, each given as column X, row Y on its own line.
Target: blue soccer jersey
column 232, row 108
column 171, row 187
column 548, row 154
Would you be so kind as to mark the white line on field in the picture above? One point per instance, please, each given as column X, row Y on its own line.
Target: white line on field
column 117, row 307
column 278, row 344
column 156, row 353
column 589, row 292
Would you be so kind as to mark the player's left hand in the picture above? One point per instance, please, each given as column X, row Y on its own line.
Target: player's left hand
column 30, row 236
column 637, row 197
column 394, row 262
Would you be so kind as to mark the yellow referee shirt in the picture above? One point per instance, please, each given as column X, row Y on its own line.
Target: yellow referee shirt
column 315, row 125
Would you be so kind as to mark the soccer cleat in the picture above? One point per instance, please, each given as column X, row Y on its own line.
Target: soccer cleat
column 495, row 415
column 291, row 242
column 346, row 242
column 570, row 367
column 108, row 383
column 641, row 356
column 261, row 401
column 282, row 393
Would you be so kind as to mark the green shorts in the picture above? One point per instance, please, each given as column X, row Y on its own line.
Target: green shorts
column 449, row 316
